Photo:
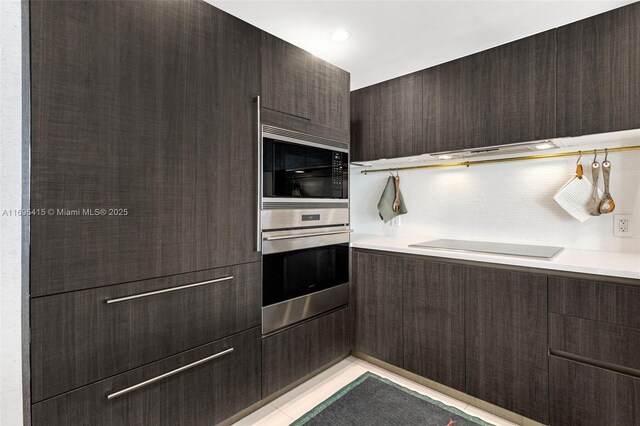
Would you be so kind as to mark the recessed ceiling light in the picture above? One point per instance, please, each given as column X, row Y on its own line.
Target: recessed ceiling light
column 445, row 157
column 341, row 35
column 546, row 145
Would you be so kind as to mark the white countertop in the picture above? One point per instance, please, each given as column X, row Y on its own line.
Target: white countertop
column 625, row 265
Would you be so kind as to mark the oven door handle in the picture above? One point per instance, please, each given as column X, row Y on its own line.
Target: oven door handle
column 312, row 234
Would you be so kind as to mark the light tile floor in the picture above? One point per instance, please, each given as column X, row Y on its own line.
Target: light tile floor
column 298, row 401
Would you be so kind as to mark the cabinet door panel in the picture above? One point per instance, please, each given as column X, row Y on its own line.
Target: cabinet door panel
column 594, row 340
column 378, row 288
column 330, row 97
column 506, row 340
column 599, row 73
column 451, row 105
column 600, row 301
column 590, row 396
column 518, row 90
column 397, row 126
column 203, row 394
column 286, row 77
column 363, row 108
column 143, row 106
column 433, row 325
column 77, row 338
column 290, row 355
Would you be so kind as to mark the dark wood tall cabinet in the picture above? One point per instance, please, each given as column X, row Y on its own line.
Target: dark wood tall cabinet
column 506, row 340
column 433, row 321
column 142, row 113
column 378, row 300
column 599, row 73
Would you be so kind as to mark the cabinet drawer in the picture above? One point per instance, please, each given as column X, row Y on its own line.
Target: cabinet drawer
column 612, row 303
column 606, row 343
column 590, row 396
column 202, row 386
column 293, row 353
column 79, row 337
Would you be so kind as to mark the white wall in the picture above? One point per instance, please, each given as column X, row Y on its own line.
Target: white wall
column 10, row 227
column 507, row 202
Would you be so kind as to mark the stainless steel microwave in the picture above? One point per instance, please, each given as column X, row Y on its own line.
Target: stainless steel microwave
column 303, row 167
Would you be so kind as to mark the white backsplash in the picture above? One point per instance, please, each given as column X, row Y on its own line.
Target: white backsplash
column 506, row 202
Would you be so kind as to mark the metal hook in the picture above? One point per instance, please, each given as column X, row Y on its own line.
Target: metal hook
column 606, row 154
column 595, row 155
column 397, row 172
column 579, row 157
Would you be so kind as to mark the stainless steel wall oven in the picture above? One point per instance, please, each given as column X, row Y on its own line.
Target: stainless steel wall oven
column 304, row 215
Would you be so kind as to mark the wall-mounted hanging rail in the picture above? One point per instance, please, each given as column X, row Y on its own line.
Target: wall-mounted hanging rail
column 505, row 160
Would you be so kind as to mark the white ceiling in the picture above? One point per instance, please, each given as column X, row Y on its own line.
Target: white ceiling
column 392, row 38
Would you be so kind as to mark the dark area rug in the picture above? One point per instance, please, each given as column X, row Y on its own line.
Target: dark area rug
column 373, row 400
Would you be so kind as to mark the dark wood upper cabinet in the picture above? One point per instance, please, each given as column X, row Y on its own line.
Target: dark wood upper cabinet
column 599, row 73
column 506, row 340
column 286, row 76
column 518, row 91
column 364, row 103
column 451, row 105
column 303, row 93
column 159, row 122
column 433, row 321
column 378, row 316
column 329, row 103
column 392, row 113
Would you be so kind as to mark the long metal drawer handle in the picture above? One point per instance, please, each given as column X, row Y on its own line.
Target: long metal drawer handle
column 165, row 375
column 316, row 234
column 182, row 287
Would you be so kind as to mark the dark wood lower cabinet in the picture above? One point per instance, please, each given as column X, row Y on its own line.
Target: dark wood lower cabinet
column 78, row 338
column 291, row 354
column 589, row 396
column 203, row 394
column 506, row 340
column 433, row 321
column 378, row 295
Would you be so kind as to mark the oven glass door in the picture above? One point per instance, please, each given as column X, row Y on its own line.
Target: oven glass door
column 291, row 274
column 293, row 170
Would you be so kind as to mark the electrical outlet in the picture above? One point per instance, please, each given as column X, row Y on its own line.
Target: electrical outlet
column 622, row 225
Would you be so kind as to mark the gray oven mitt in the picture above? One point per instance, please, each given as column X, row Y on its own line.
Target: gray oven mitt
column 385, row 205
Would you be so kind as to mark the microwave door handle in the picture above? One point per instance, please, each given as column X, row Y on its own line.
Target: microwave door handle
column 313, row 234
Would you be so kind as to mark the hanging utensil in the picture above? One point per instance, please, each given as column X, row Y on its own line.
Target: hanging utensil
column 396, row 200
column 579, row 170
column 594, row 201
column 606, row 205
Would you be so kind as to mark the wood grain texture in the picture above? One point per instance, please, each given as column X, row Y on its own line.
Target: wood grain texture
column 596, row 300
column 519, row 90
column 293, row 353
column 386, row 119
column 397, row 125
column 290, row 122
column 506, row 340
column 77, row 338
column 287, row 72
column 363, row 101
column 595, row 340
column 378, row 288
column 589, row 396
column 204, row 395
column 433, row 323
column 145, row 106
column 599, row 73
column 452, row 105
column 329, row 101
